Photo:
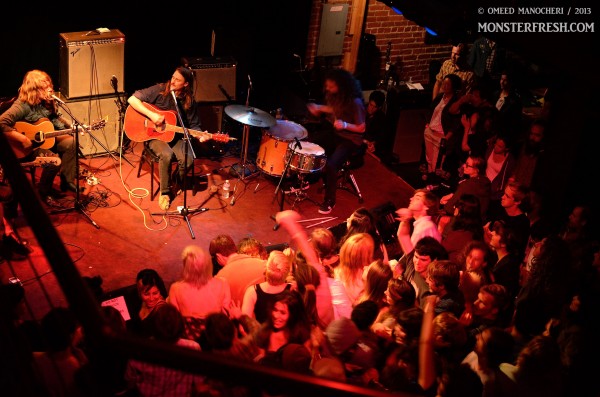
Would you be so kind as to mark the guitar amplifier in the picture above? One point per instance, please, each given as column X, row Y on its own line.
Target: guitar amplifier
column 89, row 110
column 89, row 60
column 214, row 78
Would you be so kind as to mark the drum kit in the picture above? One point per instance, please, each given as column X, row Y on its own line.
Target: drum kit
column 282, row 147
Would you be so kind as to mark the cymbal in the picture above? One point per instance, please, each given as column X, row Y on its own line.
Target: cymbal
column 250, row 116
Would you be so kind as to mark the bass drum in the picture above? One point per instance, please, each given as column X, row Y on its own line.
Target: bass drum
column 311, row 158
column 274, row 144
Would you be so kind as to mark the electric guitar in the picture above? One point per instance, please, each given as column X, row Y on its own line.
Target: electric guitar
column 42, row 134
column 139, row 128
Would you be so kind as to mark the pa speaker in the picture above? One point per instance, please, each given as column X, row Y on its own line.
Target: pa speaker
column 93, row 109
column 214, row 79
column 88, row 62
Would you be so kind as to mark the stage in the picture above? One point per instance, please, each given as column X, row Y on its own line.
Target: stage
column 124, row 231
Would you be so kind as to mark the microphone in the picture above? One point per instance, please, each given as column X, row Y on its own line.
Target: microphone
column 113, row 82
column 250, row 81
column 174, row 96
column 296, row 56
column 232, row 202
column 298, row 145
column 57, row 99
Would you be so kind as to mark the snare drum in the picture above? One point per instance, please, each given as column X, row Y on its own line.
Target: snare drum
column 274, row 144
column 311, row 158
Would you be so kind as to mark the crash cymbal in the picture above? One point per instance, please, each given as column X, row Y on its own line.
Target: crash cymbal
column 250, row 116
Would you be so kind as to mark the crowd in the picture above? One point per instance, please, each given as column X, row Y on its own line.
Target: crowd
column 486, row 299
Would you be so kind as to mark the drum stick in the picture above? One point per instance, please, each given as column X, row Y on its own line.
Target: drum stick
column 318, row 223
column 316, row 219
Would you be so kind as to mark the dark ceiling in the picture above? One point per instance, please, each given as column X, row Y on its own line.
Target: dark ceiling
column 551, row 53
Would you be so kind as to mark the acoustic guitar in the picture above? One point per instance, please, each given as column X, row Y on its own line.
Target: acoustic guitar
column 42, row 134
column 40, row 161
column 140, row 128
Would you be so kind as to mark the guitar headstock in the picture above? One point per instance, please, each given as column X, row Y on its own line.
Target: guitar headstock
column 219, row 137
column 45, row 161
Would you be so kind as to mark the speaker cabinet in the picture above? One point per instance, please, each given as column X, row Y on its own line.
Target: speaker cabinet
column 88, row 62
column 91, row 109
column 214, row 78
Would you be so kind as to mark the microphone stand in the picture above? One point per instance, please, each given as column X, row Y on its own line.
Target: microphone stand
column 184, row 211
column 122, row 107
column 77, row 205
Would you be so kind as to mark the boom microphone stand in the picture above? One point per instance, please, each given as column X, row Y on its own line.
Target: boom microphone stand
column 184, row 211
column 77, row 205
column 122, row 107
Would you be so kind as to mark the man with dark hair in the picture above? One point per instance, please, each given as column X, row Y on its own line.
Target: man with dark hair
column 375, row 122
column 458, row 65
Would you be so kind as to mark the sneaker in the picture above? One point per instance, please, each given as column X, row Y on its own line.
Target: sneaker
column 164, row 202
column 326, row 207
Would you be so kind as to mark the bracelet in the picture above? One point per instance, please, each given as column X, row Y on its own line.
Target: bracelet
column 345, row 125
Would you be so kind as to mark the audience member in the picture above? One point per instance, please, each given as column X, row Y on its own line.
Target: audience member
column 506, row 269
column 363, row 221
column 242, row 270
column 474, row 259
column 56, row 368
column 152, row 293
column 221, row 248
column 443, row 125
column 259, row 297
column 422, row 208
column 253, row 247
column 464, row 227
column 400, row 295
column 412, row 267
column 458, row 65
column 378, row 275
column 443, row 277
column 549, row 286
column 326, row 247
column 500, row 164
column 475, row 183
column 376, row 123
column 198, row 293
column 150, row 379
column 348, row 285
column 530, row 155
column 509, row 105
column 514, row 206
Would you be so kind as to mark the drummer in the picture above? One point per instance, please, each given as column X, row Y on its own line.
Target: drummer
column 342, row 127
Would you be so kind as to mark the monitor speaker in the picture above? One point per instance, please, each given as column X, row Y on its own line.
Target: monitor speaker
column 92, row 109
column 88, row 62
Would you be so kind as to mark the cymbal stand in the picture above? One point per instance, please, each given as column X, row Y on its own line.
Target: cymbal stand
column 77, row 205
column 184, row 211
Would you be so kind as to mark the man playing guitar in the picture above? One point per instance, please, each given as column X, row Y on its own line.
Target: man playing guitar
column 160, row 95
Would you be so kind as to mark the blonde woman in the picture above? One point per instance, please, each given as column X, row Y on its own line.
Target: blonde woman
column 348, row 285
column 198, row 293
column 259, row 298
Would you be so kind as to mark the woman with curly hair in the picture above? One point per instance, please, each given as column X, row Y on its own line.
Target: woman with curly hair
column 341, row 132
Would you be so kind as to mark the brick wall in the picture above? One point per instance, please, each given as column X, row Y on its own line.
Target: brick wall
column 409, row 53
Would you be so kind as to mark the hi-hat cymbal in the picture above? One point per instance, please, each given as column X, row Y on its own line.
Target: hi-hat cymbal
column 250, row 116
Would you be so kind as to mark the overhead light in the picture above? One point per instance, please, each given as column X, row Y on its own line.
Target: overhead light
column 431, row 32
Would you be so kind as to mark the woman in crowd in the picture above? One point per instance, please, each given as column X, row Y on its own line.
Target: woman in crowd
column 152, row 293
column 198, row 293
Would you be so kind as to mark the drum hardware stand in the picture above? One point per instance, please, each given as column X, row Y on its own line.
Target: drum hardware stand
column 184, row 211
column 77, row 205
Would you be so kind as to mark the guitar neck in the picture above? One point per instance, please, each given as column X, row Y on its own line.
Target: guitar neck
column 195, row 133
column 58, row 133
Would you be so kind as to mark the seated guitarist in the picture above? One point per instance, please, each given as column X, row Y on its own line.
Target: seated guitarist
column 33, row 104
column 159, row 95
